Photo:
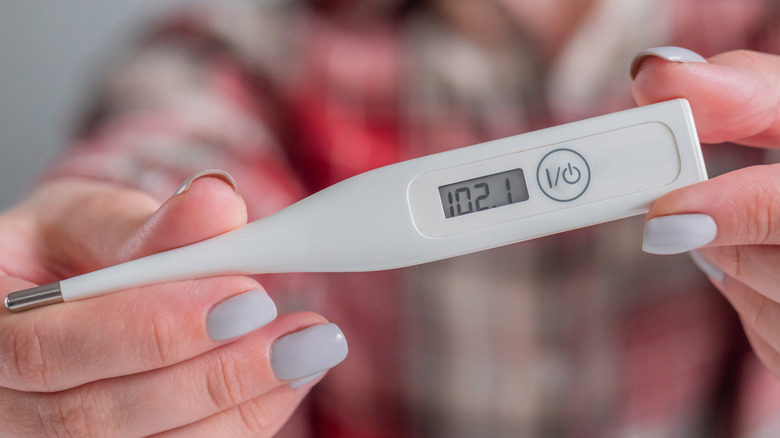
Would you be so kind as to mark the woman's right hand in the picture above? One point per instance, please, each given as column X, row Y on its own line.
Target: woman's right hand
column 199, row 358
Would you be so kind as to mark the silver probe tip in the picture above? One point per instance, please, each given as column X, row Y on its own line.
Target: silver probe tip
column 34, row 297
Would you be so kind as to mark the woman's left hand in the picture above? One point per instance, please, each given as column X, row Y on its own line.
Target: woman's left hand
column 733, row 219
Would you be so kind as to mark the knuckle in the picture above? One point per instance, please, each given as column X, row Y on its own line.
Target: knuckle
column 760, row 308
column 24, row 363
column 255, row 415
column 224, row 384
column 163, row 349
column 77, row 414
column 765, row 227
column 29, row 359
column 764, row 213
column 738, row 260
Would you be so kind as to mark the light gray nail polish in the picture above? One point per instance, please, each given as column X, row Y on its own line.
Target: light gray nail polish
column 303, row 381
column 211, row 172
column 240, row 315
column 669, row 53
column 706, row 266
column 309, row 351
column 677, row 234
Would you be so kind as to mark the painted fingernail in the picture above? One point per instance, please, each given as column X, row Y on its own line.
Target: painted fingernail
column 669, row 53
column 295, row 384
column 240, row 315
column 211, row 172
column 309, row 351
column 678, row 233
column 706, row 266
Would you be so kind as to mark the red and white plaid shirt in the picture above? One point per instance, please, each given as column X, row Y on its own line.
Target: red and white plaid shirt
column 575, row 335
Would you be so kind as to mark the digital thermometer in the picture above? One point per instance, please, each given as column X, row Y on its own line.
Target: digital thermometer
column 439, row 206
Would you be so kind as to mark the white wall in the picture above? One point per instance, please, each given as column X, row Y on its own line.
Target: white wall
column 48, row 53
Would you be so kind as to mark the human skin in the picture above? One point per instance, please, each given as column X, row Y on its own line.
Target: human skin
column 141, row 362
column 138, row 362
column 734, row 97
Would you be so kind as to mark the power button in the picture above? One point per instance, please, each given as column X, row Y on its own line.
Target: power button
column 563, row 175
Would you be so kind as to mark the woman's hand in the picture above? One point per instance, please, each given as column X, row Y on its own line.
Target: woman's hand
column 198, row 358
column 734, row 218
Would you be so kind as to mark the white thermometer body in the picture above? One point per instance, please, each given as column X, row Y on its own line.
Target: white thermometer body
column 448, row 204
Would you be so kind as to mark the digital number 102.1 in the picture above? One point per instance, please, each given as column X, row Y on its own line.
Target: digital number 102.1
column 483, row 193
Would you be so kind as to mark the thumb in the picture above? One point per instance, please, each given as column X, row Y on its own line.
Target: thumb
column 207, row 204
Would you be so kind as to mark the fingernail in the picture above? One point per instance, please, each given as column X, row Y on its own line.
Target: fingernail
column 240, row 315
column 211, row 172
column 709, row 269
column 309, row 351
column 669, row 53
column 677, row 234
column 295, row 384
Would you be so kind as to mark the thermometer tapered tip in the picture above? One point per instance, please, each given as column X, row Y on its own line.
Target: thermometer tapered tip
column 35, row 297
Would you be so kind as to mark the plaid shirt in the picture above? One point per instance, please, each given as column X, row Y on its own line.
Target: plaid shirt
column 575, row 335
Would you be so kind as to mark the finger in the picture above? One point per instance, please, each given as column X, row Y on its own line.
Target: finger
column 754, row 266
column 768, row 355
column 207, row 204
column 110, row 225
column 756, row 310
column 60, row 347
column 260, row 417
column 759, row 312
column 738, row 208
column 167, row 398
column 734, row 96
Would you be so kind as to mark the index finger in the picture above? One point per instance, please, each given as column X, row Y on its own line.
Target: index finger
column 734, row 95
column 738, row 208
column 60, row 347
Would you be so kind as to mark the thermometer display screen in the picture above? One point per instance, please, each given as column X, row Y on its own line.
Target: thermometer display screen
column 483, row 193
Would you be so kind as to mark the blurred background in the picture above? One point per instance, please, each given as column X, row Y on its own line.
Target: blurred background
column 47, row 51
column 441, row 352
column 51, row 51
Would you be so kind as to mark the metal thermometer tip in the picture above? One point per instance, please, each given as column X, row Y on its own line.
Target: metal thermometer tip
column 34, row 297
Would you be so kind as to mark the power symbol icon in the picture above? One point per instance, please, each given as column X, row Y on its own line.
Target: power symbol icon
column 571, row 179
column 563, row 175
